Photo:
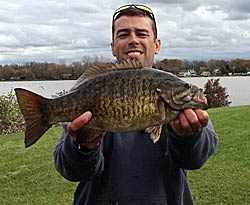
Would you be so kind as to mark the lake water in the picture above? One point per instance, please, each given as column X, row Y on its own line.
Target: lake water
column 238, row 88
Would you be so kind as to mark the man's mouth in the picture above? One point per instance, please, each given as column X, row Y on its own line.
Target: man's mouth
column 134, row 53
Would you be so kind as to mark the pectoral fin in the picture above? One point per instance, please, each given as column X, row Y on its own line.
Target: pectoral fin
column 155, row 132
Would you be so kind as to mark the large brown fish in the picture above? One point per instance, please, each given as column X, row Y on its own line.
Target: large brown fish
column 123, row 97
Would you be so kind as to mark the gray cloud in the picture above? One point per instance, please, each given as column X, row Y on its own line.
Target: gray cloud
column 70, row 29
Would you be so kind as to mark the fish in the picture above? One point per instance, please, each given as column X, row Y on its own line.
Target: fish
column 123, row 97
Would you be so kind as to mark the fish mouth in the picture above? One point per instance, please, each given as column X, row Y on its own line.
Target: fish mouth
column 198, row 96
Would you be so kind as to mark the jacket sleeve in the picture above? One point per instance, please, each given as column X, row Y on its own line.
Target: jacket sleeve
column 193, row 151
column 74, row 164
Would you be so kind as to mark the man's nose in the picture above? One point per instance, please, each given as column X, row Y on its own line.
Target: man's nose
column 133, row 39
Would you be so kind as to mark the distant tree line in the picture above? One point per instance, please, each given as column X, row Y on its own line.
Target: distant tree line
column 235, row 66
column 53, row 71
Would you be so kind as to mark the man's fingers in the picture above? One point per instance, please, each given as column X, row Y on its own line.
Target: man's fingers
column 94, row 143
column 203, row 117
column 184, row 122
column 78, row 123
column 193, row 120
column 181, row 126
column 190, row 121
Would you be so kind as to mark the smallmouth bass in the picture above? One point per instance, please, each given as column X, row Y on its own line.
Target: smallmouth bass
column 123, row 97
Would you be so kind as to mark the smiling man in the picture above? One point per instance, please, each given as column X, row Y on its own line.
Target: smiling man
column 128, row 168
column 135, row 37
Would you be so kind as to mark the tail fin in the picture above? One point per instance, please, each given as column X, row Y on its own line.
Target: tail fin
column 30, row 105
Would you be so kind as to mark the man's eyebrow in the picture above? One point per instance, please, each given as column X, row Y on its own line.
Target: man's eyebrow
column 136, row 30
column 142, row 30
column 122, row 30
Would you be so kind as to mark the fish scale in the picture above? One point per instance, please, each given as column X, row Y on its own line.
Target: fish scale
column 125, row 101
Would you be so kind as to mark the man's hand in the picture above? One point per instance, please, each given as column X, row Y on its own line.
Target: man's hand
column 190, row 122
column 76, row 130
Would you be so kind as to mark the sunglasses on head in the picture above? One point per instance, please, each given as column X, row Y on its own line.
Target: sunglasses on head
column 140, row 7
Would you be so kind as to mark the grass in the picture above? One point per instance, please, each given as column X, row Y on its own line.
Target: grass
column 225, row 178
column 28, row 176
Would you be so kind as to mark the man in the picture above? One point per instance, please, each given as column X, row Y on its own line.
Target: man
column 127, row 168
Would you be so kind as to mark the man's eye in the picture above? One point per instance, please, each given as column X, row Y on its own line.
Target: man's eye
column 142, row 34
column 122, row 35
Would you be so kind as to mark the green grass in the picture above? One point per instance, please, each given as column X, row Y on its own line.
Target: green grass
column 28, row 176
column 225, row 178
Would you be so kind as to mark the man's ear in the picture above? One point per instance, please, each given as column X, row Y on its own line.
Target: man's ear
column 157, row 45
column 113, row 49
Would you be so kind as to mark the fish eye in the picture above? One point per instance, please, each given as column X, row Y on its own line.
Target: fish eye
column 187, row 85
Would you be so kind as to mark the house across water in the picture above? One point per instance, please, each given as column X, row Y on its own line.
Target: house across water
column 187, row 73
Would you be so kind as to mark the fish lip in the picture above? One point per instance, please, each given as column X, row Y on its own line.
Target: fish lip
column 199, row 97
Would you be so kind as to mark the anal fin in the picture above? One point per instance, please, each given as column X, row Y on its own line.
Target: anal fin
column 155, row 132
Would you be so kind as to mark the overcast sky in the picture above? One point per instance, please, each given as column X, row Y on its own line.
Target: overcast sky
column 67, row 30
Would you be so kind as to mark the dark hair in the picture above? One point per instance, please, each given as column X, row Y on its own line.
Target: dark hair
column 134, row 12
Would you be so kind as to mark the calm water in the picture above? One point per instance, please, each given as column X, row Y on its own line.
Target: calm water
column 238, row 88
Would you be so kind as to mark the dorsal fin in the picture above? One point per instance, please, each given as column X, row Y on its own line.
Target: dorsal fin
column 126, row 64
column 96, row 70
column 122, row 65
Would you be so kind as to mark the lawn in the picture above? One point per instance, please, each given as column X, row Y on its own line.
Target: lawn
column 225, row 178
column 28, row 176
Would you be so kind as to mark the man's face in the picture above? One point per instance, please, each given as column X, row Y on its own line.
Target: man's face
column 134, row 39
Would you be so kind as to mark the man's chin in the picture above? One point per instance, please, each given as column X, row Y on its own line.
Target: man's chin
column 135, row 57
